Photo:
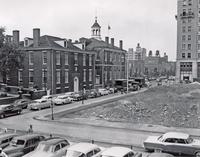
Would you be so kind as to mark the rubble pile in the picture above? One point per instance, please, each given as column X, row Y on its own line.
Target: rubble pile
column 177, row 105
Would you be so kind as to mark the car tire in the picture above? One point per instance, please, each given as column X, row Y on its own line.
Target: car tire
column 197, row 154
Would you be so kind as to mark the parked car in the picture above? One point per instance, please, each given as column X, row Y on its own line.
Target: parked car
column 62, row 99
column 22, row 145
column 93, row 93
column 47, row 97
column 6, row 138
column 160, row 155
column 3, row 94
column 79, row 96
column 120, row 152
column 103, row 91
column 173, row 142
column 55, row 147
column 83, row 150
column 23, row 103
column 9, row 110
column 40, row 104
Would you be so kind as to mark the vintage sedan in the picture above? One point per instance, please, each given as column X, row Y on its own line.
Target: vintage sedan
column 173, row 142
column 9, row 110
column 5, row 139
column 83, row 150
column 62, row 99
column 55, row 147
column 40, row 104
column 120, row 152
column 23, row 103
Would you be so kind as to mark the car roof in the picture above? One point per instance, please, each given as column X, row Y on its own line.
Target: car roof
column 160, row 155
column 83, row 147
column 116, row 151
column 27, row 136
column 177, row 135
column 53, row 141
column 5, row 135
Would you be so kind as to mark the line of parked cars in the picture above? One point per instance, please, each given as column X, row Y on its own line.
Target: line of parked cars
column 36, row 145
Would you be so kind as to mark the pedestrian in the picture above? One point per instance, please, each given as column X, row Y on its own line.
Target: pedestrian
column 30, row 130
column 50, row 135
column 2, row 154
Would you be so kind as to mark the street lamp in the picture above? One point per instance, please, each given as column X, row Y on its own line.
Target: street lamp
column 52, row 116
column 127, row 73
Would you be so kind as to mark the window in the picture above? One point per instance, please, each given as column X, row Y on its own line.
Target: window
column 189, row 47
column 183, row 29
column 183, row 55
column 183, row 21
column 183, row 47
column 65, row 43
column 198, row 46
column 189, row 28
column 57, row 148
column 90, row 74
column 184, row 2
column 198, row 37
column 189, row 20
column 57, row 58
column 31, row 58
column 110, row 57
column 110, row 74
column 198, row 55
column 58, row 76
column 183, row 38
column 26, row 43
column 189, row 2
column 30, row 76
column 189, row 37
column 84, row 59
column 90, row 60
column 84, row 75
column 75, row 59
column 66, row 59
column 44, row 75
column 189, row 55
column 44, row 57
column 105, row 57
column 20, row 75
column 66, row 76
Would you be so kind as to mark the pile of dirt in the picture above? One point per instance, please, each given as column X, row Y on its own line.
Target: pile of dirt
column 177, row 105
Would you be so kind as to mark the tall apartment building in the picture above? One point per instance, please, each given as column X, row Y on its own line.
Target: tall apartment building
column 188, row 40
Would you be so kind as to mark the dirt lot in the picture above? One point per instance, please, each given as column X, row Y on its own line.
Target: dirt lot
column 177, row 105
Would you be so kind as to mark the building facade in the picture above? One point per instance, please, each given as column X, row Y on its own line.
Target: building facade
column 109, row 58
column 188, row 40
column 54, row 64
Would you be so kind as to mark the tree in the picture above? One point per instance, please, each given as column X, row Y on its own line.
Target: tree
column 10, row 58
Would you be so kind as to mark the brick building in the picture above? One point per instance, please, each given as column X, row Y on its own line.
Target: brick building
column 55, row 64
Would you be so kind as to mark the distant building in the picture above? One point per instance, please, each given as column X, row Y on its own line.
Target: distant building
column 158, row 66
column 55, row 64
column 188, row 40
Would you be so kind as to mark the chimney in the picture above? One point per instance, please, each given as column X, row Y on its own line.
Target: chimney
column 112, row 41
column 16, row 37
column 121, row 44
column 107, row 40
column 36, row 37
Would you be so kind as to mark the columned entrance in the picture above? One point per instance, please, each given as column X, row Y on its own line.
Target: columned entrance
column 76, row 84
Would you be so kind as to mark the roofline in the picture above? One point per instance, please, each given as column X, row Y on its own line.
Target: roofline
column 56, row 49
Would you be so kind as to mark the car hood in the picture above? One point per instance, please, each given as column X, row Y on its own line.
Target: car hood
column 12, row 149
column 39, row 154
column 151, row 139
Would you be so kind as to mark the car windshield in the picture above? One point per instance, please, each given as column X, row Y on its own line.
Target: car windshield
column 17, row 142
column 72, row 153
column 44, row 147
column 160, row 138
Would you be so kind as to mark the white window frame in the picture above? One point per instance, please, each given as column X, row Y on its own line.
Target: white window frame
column 31, row 58
column 66, row 75
column 20, row 75
column 58, row 81
column 31, row 71
column 58, row 58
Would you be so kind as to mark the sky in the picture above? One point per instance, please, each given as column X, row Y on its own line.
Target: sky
column 148, row 22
